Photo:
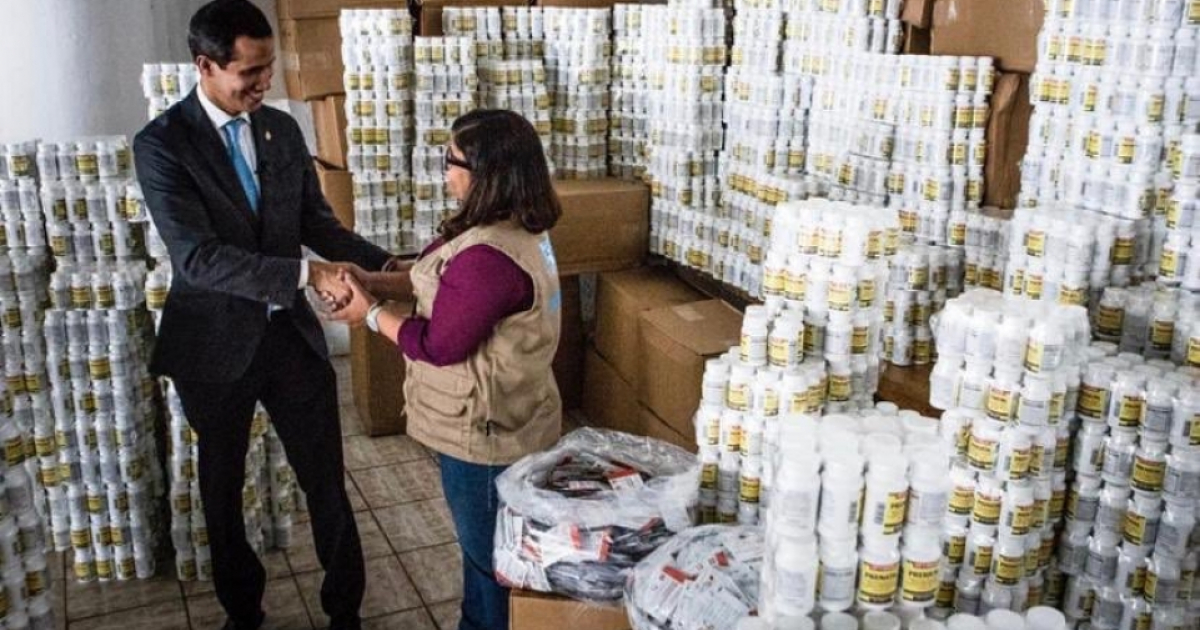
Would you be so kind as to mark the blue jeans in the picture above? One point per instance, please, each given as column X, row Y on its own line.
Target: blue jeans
column 470, row 491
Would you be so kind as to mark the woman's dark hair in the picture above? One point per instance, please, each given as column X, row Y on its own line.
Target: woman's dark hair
column 509, row 175
column 218, row 24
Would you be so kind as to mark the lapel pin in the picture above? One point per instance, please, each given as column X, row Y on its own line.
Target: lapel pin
column 268, row 134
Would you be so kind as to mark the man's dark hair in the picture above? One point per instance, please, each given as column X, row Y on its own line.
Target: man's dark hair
column 218, row 24
column 510, row 179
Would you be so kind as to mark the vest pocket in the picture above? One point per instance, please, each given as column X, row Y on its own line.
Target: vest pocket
column 444, row 394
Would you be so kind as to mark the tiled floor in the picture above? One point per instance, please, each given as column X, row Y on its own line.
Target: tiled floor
column 413, row 562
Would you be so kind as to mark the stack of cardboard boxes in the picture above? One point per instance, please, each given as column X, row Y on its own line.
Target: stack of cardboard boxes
column 653, row 336
column 311, row 48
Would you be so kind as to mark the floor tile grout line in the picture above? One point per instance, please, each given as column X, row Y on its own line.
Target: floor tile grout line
column 396, row 554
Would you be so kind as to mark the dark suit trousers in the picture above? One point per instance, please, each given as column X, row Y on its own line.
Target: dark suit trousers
column 299, row 390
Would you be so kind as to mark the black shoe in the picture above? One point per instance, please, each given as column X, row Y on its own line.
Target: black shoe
column 346, row 624
column 230, row 624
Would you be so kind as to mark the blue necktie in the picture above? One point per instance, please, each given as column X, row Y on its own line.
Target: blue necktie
column 244, row 174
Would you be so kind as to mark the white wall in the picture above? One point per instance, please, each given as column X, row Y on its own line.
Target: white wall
column 71, row 68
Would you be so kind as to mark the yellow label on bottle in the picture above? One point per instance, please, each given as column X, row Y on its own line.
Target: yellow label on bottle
column 794, row 286
column 962, row 500
column 866, row 292
column 81, row 538
column 1034, row 285
column 1022, row 520
column 981, row 563
column 1134, row 528
column 1008, row 570
column 920, row 581
column 774, row 281
column 1161, row 334
column 1035, row 243
column 986, row 510
column 1125, row 150
column 750, row 488
column 1150, row 591
column 877, row 583
column 922, row 352
column 1193, row 351
column 840, row 296
column 1092, row 402
column 1001, row 404
column 839, row 388
column 945, row 594
column 860, row 340
column 1148, row 475
column 737, row 397
column 708, row 476
column 1122, row 251
column 780, row 352
column 14, row 451
column 1130, row 411
column 954, row 549
column 981, row 452
column 1045, row 552
column 1039, row 513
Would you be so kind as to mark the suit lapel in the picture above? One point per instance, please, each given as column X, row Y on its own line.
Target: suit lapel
column 216, row 157
column 266, row 149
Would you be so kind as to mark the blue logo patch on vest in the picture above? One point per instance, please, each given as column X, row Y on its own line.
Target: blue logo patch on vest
column 555, row 302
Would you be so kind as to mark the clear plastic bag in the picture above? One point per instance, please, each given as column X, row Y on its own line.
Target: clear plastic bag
column 706, row 578
column 575, row 519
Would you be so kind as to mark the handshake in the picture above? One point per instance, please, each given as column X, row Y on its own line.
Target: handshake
column 341, row 289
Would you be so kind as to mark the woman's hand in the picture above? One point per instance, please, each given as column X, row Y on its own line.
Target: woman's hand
column 354, row 311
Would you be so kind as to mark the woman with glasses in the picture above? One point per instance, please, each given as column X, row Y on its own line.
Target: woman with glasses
column 478, row 388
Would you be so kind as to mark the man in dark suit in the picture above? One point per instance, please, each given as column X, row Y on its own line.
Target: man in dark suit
column 231, row 188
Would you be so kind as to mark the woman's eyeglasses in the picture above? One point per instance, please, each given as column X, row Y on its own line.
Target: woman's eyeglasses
column 450, row 160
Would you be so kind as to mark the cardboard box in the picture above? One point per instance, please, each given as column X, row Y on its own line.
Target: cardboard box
column 301, row 9
column 1007, row 139
column 608, row 400
column 429, row 12
column 1005, row 30
column 620, row 298
column 918, row 13
column 655, row 427
column 312, row 58
column 377, row 376
column 568, row 361
column 676, row 341
column 605, row 225
column 916, row 40
column 539, row 611
column 329, row 124
column 338, row 186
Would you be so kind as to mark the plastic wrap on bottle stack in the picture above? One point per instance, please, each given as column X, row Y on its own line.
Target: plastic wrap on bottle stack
column 377, row 51
column 629, row 125
column 706, row 578
column 574, row 519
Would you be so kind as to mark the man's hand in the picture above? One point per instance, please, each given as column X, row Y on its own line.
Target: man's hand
column 326, row 279
column 354, row 311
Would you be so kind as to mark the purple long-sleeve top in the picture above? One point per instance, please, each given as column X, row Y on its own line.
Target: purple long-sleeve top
column 479, row 288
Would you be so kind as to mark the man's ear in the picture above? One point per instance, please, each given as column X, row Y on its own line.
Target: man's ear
column 205, row 65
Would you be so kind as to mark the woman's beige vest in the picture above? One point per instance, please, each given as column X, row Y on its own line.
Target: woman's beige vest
column 501, row 403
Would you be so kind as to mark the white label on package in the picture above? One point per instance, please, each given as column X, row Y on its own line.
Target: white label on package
column 625, row 480
column 662, row 595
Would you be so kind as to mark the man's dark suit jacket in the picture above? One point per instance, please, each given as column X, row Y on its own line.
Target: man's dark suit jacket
column 230, row 263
